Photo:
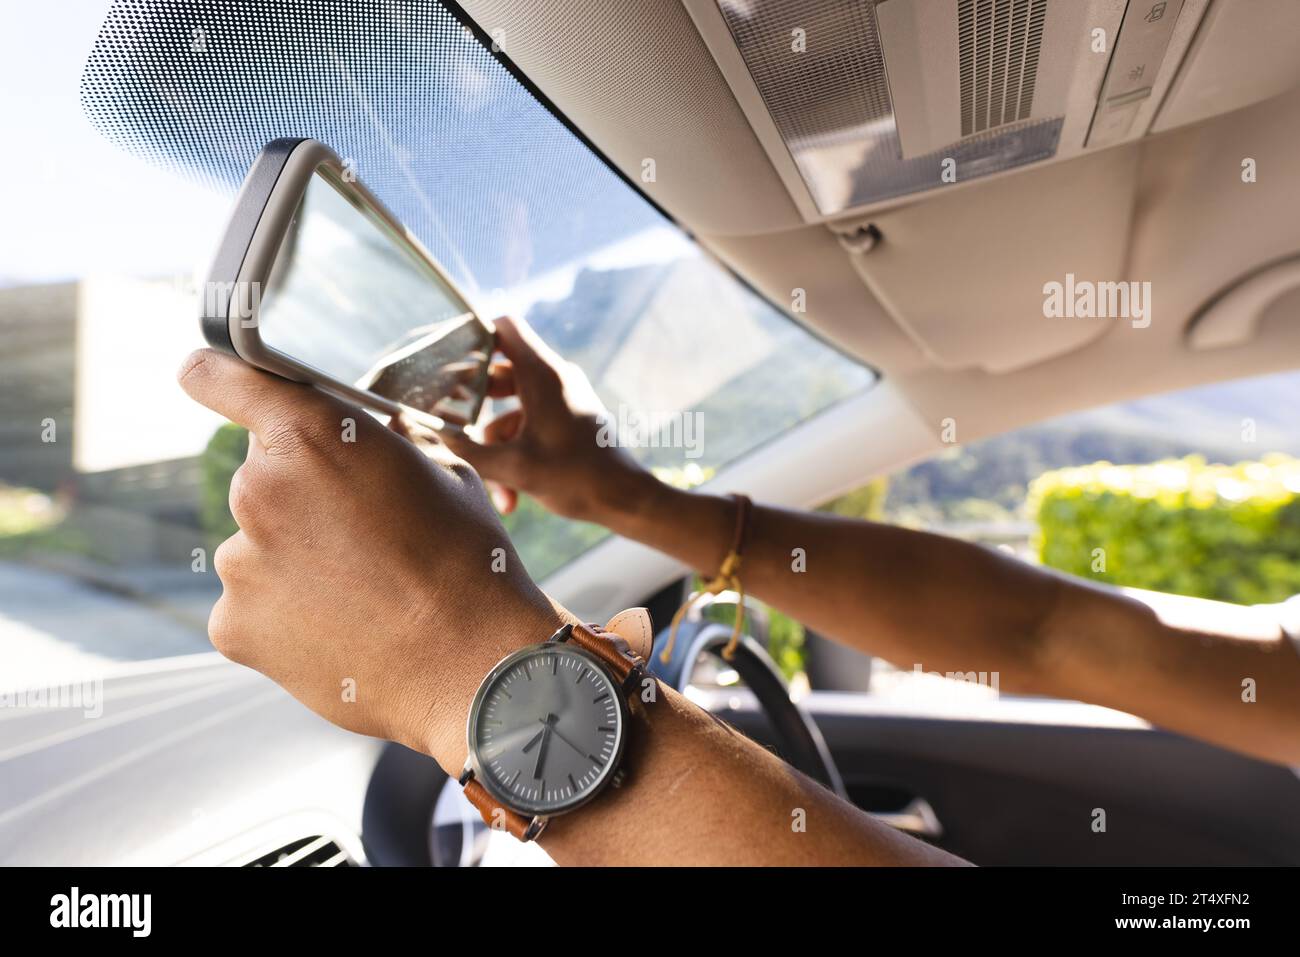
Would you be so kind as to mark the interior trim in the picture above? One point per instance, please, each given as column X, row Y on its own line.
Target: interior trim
column 1232, row 317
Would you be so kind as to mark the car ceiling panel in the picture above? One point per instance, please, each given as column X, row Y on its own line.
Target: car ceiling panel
column 951, row 305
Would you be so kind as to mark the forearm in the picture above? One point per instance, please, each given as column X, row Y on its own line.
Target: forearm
column 909, row 597
column 700, row 793
column 1221, row 672
column 696, row 792
column 915, row 598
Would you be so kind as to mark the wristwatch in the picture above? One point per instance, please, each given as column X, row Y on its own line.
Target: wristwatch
column 549, row 725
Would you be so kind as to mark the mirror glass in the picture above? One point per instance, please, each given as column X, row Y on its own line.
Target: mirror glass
column 350, row 296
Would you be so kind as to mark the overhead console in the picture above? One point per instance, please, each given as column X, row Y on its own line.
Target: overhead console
column 940, row 123
column 878, row 114
column 861, row 102
column 1135, row 65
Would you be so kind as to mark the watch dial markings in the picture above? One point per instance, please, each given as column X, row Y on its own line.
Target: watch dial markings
column 543, row 741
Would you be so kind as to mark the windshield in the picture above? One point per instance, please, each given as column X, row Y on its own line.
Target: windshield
column 112, row 483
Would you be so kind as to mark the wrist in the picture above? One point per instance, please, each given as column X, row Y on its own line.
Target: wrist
column 440, row 731
column 694, row 527
column 628, row 498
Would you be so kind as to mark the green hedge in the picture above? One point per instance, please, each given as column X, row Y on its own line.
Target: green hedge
column 1229, row 532
column 225, row 453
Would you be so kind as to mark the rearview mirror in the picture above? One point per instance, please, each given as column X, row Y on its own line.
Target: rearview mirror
column 317, row 282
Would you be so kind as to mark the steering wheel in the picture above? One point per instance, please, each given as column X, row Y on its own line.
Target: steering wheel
column 798, row 739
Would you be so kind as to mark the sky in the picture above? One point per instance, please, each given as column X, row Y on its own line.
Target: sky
column 74, row 203
column 78, row 207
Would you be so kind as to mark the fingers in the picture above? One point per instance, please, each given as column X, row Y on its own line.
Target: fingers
column 257, row 400
column 535, row 367
column 504, row 428
column 401, row 426
column 503, row 497
column 501, row 379
column 495, row 457
column 454, row 442
column 425, row 439
column 520, row 343
column 421, row 435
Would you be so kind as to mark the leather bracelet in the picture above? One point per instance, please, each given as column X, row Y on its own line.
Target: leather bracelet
column 744, row 509
column 727, row 579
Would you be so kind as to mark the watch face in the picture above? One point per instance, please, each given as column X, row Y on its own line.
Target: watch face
column 546, row 729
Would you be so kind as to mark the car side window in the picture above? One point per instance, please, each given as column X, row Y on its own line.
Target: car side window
column 1194, row 493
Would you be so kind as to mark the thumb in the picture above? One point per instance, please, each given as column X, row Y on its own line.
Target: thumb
column 496, row 457
column 505, row 499
column 536, row 366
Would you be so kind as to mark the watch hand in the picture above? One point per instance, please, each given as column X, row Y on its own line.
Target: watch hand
column 570, row 743
column 537, row 737
column 541, row 751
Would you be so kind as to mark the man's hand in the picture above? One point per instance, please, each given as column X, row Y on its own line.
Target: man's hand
column 366, row 565
column 552, row 446
column 362, row 575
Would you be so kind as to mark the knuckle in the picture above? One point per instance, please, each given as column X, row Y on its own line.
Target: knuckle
column 550, row 376
column 300, row 434
column 226, row 560
column 244, row 498
column 461, row 468
column 221, row 632
column 285, row 436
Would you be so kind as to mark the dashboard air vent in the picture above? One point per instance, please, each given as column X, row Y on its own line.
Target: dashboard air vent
column 305, row 852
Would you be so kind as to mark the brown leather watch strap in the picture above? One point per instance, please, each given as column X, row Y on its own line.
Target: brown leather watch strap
column 616, row 653
column 495, row 814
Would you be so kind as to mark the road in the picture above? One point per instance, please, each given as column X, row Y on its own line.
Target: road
column 57, row 627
